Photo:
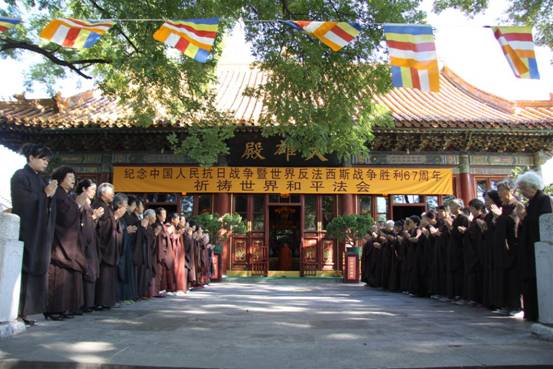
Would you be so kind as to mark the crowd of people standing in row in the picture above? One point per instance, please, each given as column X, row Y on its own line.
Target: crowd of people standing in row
column 481, row 255
column 87, row 248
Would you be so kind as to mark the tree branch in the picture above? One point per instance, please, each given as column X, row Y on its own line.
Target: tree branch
column 9, row 44
column 116, row 26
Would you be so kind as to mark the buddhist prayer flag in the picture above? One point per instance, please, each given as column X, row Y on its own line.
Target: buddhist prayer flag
column 333, row 34
column 7, row 23
column 193, row 37
column 412, row 56
column 74, row 33
column 518, row 46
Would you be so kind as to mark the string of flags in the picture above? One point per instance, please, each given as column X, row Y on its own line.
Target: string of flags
column 411, row 47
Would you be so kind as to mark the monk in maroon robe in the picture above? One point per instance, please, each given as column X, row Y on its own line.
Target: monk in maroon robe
column 86, row 191
column 107, row 231
column 65, row 273
column 143, row 254
column 179, row 268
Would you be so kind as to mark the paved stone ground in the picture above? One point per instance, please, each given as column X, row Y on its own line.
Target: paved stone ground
column 281, row 324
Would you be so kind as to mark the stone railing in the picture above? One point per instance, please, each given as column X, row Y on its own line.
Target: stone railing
column 544, row 269
column 11, row 257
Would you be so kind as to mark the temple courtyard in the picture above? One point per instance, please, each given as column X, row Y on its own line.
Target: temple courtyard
column 294, row 323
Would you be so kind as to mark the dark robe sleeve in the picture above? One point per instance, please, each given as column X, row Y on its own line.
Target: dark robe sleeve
column 37, row 217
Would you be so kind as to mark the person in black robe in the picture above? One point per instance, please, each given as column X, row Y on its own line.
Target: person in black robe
column 65, row 273
column 530, row 185
column 411, row 240
column 506, row 290
column 492, row 201
column 375, row 265
column 32, row 201
column 473, row 251
column 127, row 281
column 440, row 234
column 365, row 254
column 86, row 191
column 402, row 260
column 455, row 258
column 143, row 255
column 394, row 283
column 387, row 251
column 107, row 231
column 427, row 240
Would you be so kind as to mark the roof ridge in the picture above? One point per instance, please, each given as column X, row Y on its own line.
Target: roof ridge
column 487, row 98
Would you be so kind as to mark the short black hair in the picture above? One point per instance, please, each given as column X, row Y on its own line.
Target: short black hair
column 132, row 200
column 416, row 219
column 442, row 207
column 83, row 185
column 159, row 210
column 494, row 196
column 174, row 215
column 477, row 204
column 59, row 173
column 36, row 150
column 431, row 214
column 192, row 223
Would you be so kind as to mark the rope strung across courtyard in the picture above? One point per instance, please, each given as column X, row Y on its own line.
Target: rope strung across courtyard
column 411, row 47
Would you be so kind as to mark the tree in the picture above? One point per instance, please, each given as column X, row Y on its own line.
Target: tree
column 321, row 100
column 349, row 228
column 536, row 13
column 220, row 228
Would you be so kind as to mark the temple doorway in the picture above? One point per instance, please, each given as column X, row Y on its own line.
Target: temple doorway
column 284, row 237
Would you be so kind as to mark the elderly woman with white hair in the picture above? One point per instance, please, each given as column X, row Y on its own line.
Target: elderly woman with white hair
column 530, row 185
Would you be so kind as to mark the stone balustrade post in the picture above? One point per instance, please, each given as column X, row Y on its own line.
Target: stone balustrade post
column 544, row 269
column 11, row 258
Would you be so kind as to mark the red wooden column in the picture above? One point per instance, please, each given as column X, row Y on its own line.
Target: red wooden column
column 347, row 204
column 467, row 191
column 346, row 207
column 222, row 206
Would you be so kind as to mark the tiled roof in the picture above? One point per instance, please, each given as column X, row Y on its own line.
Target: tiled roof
column 458, row 105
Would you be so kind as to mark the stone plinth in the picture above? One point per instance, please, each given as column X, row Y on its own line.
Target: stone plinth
column 544, row 274
column 11, row 256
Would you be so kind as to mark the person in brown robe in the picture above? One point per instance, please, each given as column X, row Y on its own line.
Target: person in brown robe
column 190, row 253
column 177, row 239
column 65, row 273
column 106, row 231
column 530, row 185
column 143, row 255
column 31, row 197
column 163, row 245
column 86, row 191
